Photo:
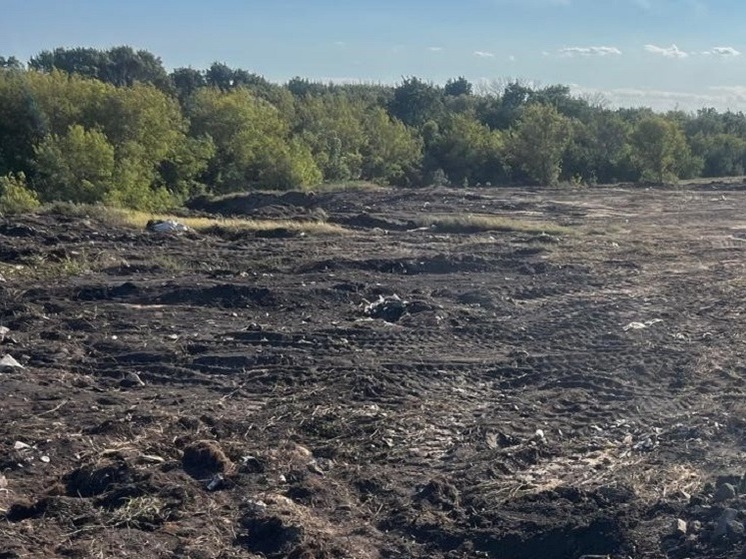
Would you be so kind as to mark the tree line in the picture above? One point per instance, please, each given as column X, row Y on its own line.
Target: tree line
column 113, row 126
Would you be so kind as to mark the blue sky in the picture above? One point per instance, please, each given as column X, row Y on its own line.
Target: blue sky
column 662, row 53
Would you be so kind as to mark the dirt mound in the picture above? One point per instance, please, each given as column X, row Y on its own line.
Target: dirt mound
column 258, row 204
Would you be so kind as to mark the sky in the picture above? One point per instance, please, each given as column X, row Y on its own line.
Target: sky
column 664, row 54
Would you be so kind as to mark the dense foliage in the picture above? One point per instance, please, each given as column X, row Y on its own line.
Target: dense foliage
column 113, row 126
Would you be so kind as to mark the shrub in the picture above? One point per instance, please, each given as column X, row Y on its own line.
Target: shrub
column 15, row 195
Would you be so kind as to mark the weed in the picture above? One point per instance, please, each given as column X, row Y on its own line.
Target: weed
column 140, row 512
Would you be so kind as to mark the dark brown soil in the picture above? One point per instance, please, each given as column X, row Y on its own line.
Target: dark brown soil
column 395, row 392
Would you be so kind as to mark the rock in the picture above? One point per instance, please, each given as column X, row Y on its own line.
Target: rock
column 721, row 526
column 725, row 492
column 8, row 363
column 390, row 309
column 735, row 529
column 697, row 500
column 679, row 527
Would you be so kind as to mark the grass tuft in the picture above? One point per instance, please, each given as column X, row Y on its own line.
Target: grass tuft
column 140, row 513
column 475, row 223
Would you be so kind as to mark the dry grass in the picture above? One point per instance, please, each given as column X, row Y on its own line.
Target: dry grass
column 117, row 217
column 139, row 219
column 348, row 186
column 475, row 223
column 140, row 512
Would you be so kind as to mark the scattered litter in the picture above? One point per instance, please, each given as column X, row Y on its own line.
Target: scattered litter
column 8, row 362
column 152, row 458
column 18, row 445
column 45, row 459
column 679, row 527
column 217, row 482
column 642, row 325
column 165, row 226
column 3, row 484
column 4, row 331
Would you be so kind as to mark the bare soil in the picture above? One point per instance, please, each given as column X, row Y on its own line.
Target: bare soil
column 395, row 392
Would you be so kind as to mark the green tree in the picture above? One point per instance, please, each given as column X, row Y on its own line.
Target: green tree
column 465, row 150
column 76, row 167
column 392, row 152
column 459, row 86
column 186, row 81
column 538, row 141
column 10, row 63
column 252, row 142
column 22, row 123
column 332, row 127
column 659, row 149
column 120, row 66
column 415, row 102
column 722, row 154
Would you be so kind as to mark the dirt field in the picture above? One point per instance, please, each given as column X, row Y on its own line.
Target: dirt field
column 396, row 391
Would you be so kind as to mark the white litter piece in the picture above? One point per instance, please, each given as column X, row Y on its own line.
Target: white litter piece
column 8, row 362
column 18, row 445
column 642, row 325
column 166, row 226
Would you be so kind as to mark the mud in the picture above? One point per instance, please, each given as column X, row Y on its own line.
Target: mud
column 391, row 392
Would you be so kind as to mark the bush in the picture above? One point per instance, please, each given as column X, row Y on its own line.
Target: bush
column 15, row 195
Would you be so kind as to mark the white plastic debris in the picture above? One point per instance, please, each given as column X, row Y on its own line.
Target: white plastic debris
column 642, row 325
column 18, row 445
column 166, row 226
column 45, row 459
column 8, row 363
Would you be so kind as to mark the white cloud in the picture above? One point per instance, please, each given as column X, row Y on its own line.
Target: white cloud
column 589, row 51
column 670, row 52
column 721, row 98
column 511, row 58
column 435, row 49
column 725, row 52
column 340, row 43
column 483, row 54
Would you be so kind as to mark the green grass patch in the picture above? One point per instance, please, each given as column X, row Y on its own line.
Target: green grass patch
column 476, row 223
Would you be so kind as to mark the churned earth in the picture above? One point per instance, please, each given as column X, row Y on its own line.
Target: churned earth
column 488, row 373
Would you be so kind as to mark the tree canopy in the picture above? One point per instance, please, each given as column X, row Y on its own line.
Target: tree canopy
column 114, row 126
